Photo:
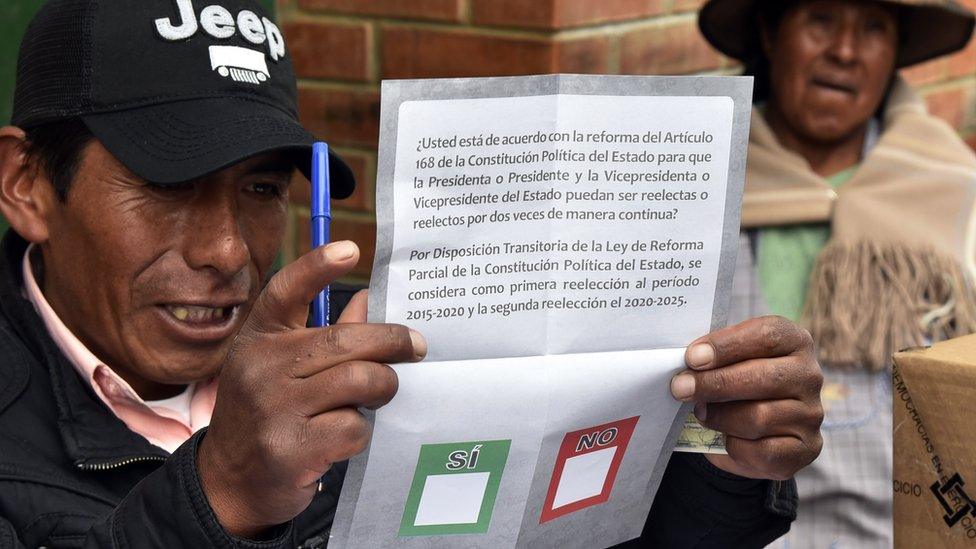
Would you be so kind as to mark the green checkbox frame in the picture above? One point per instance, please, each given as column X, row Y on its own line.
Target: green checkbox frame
column 433, row 460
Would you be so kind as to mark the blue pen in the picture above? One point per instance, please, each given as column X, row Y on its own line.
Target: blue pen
column 321, row 217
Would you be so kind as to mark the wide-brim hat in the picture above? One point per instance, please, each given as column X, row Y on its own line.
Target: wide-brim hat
column 934, row 28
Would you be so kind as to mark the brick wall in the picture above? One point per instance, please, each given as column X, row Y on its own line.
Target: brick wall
column 342, row 49
column 949, row 86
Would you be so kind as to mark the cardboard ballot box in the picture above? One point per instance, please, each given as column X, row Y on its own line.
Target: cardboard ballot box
column 935, row 445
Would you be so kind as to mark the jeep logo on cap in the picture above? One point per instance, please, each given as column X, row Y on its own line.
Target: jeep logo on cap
column 240, row 64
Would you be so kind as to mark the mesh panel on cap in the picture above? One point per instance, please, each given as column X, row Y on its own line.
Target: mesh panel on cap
column 54, row 66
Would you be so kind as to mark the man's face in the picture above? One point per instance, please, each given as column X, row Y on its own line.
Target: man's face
column 830, row 65
column 156, row 281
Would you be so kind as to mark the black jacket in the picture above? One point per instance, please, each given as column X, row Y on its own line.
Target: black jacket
column 72, row 475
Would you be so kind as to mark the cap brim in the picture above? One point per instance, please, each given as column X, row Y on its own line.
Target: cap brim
column 185, row 140
column 937, row 28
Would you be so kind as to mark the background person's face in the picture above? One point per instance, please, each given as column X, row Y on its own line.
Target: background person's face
column 156, row 282
column 831, row 62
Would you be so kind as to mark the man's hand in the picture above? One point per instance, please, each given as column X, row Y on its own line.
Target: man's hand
column 759, row 383
column 288, row 396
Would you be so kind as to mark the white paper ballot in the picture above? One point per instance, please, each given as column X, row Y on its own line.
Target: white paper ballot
column 558, row 240
column 584, row 477
column 452, row 499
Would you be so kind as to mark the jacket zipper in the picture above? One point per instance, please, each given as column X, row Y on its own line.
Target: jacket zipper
column 315, row 542
column 56, row 482
column 109, row 465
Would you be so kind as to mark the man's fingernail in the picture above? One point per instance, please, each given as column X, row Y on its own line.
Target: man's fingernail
column 683, row 386
column 700, row 355
column 340, row 251
column 701, row 411
column 419, row 344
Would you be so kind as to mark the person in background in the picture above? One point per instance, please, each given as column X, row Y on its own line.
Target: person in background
column 859, row 216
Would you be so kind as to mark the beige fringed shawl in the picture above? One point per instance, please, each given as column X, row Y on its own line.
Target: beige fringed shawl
column 899, row 267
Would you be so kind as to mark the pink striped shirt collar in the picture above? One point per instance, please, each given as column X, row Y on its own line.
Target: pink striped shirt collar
column 160, row 425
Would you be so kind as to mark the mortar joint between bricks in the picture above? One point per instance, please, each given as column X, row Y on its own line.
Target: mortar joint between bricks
column 474, row 30
column 624, row 27
column 615, row 53
column 382, row 21
column 284, row 8
column 302, row 16
column 376, row 55
column 333, row 84
column 541, row 34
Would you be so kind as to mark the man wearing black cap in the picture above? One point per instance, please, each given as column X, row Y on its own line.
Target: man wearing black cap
column 145, row 178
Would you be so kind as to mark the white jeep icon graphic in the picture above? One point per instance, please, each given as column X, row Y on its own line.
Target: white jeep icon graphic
column 239, row 64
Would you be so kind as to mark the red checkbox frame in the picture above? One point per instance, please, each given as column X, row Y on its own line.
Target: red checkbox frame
column 625, row 430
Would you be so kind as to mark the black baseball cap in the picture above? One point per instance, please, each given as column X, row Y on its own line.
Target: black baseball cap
column 174, row 89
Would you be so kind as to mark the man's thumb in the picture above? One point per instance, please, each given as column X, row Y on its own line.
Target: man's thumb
column 284, row 302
